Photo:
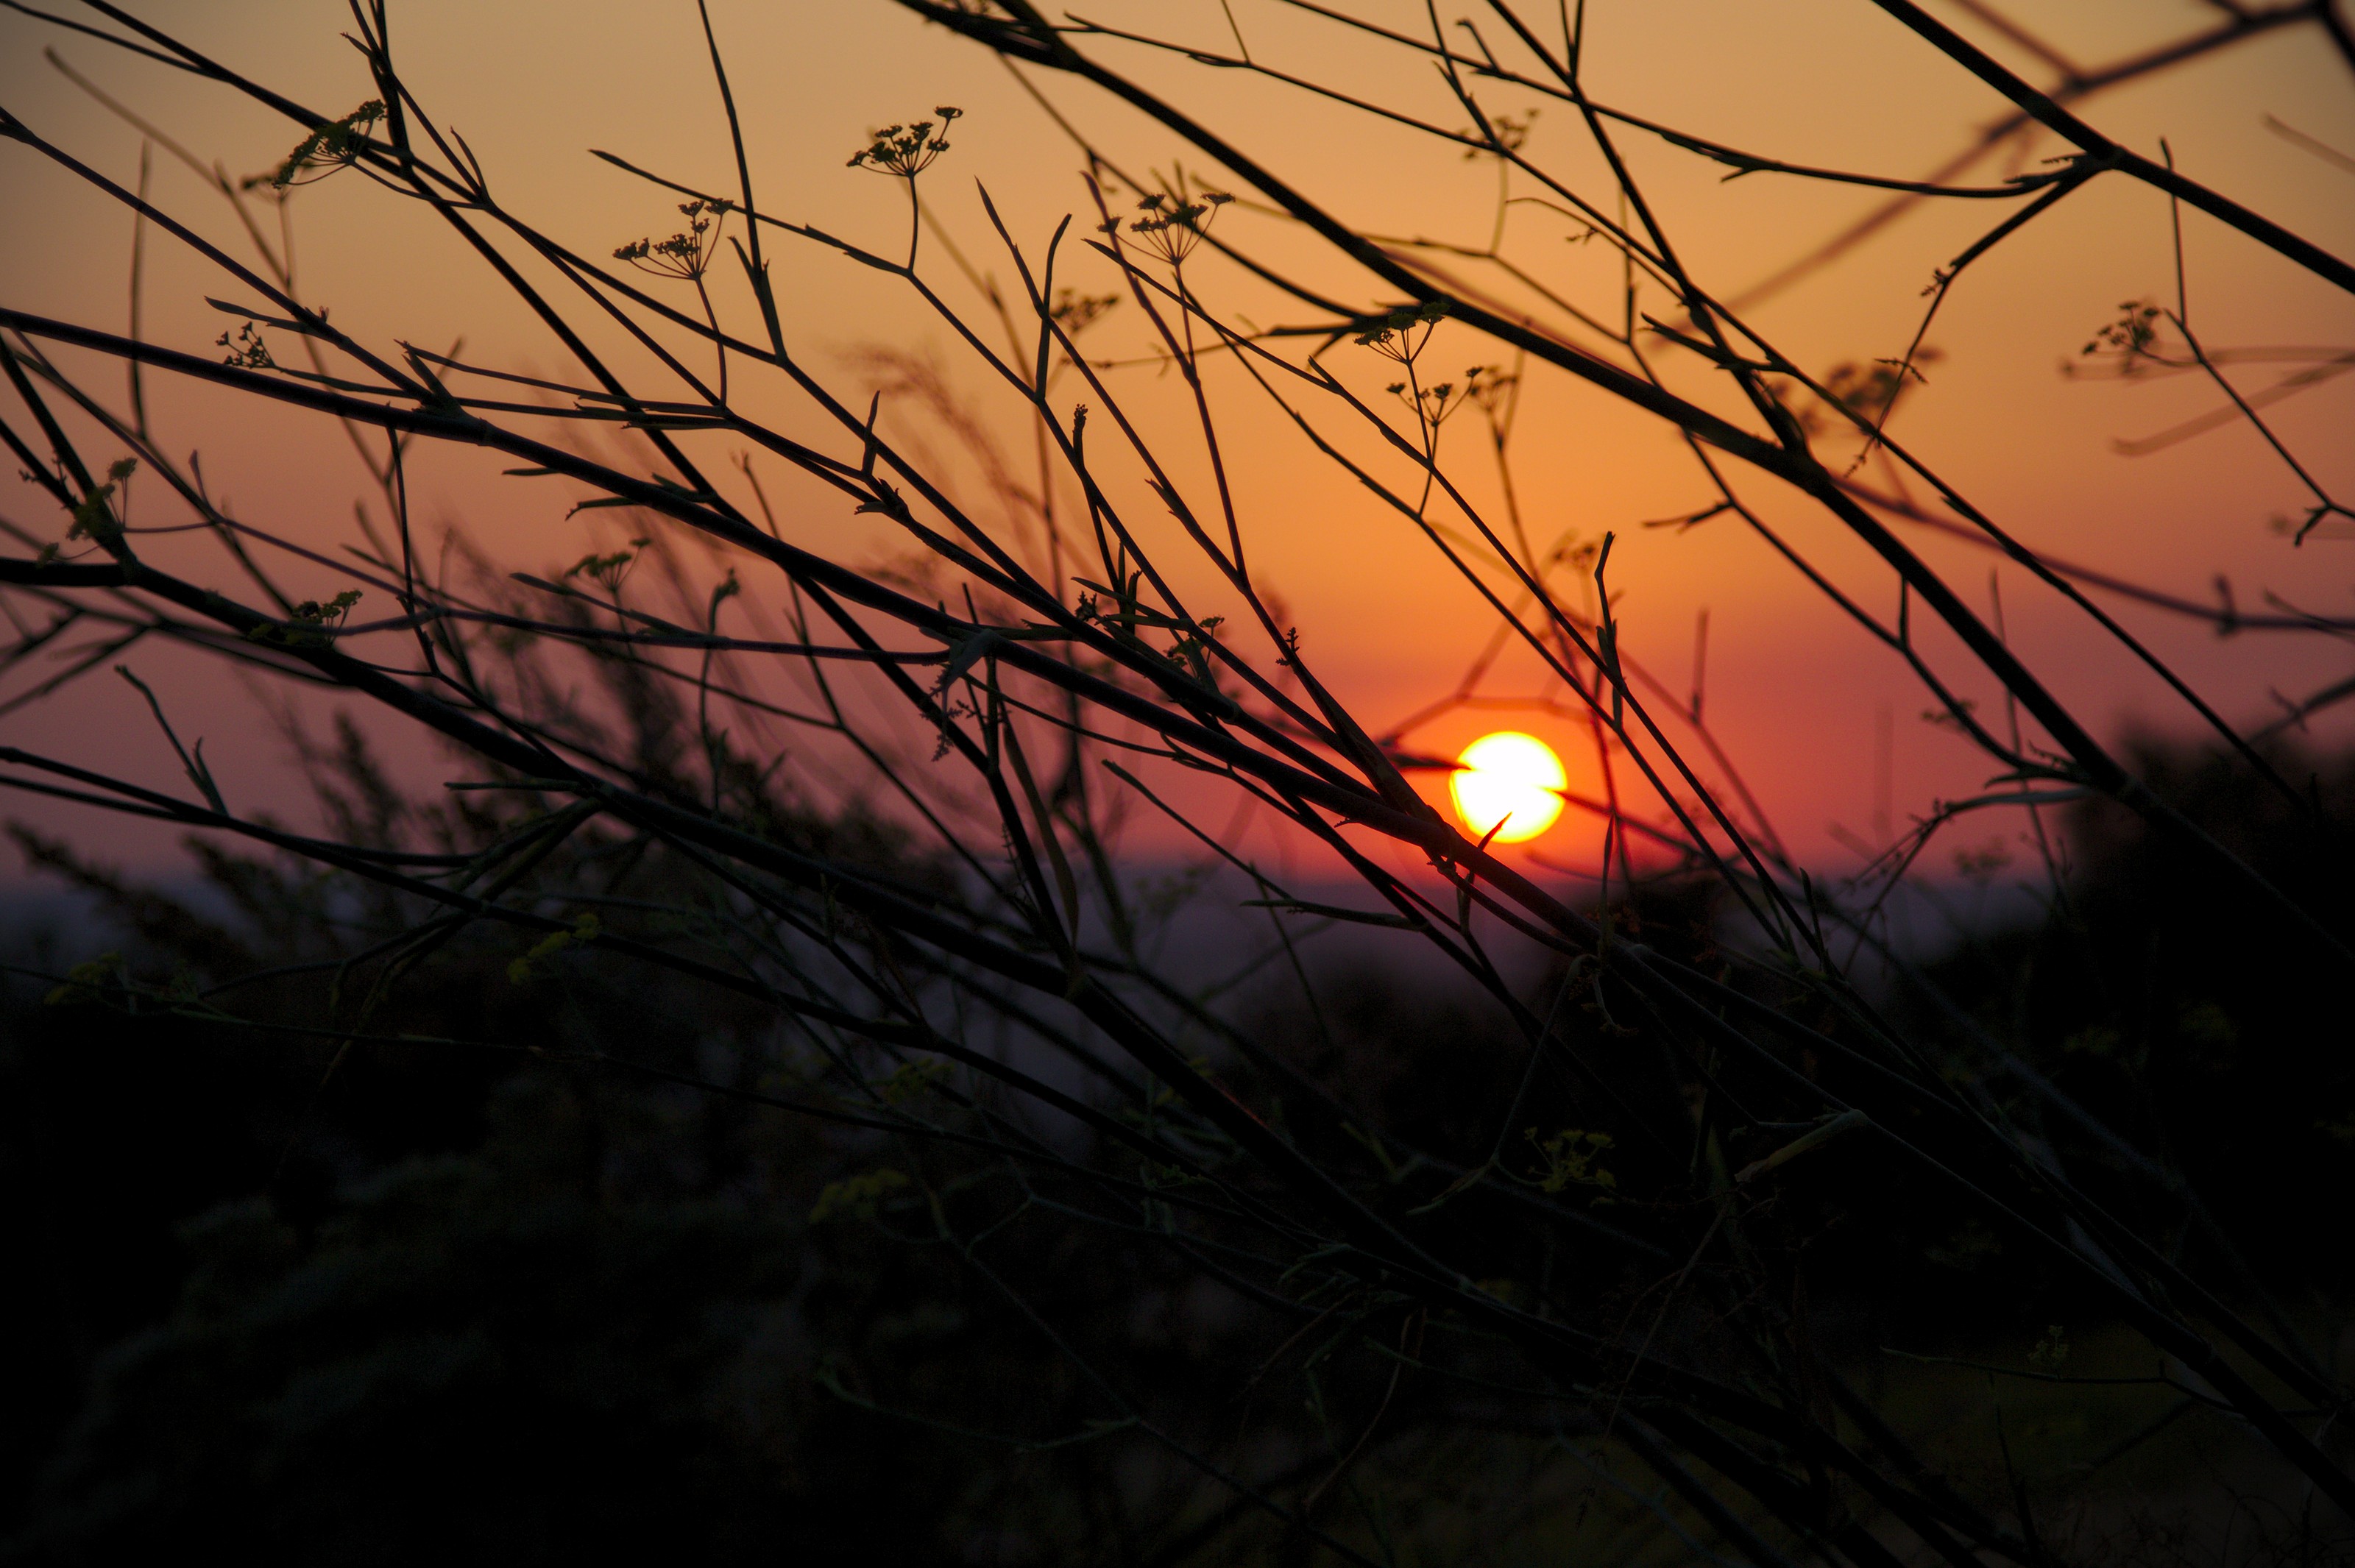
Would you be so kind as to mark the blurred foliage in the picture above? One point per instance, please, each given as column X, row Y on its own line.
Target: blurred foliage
column 377, row 1300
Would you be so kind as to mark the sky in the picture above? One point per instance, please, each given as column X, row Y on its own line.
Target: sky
column 1826, row 728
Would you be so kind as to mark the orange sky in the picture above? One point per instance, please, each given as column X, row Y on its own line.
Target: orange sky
column 1793, row 693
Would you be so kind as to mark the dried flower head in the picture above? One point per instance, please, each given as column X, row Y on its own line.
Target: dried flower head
column 907, row 151
column 313, row 624
column 685, row 254
column 2131, row 341
column 1490, row 385
column 93, row 516
column 1175, row 221
column 1433, row 404
column 607, row 571
column 1394, row 335
column 247, row 350
column 330, row 148
column 1075, row 312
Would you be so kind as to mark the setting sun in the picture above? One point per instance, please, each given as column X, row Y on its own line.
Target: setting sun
column 1509, row 778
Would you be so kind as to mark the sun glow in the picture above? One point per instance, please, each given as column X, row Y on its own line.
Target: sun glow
column 1509, row 778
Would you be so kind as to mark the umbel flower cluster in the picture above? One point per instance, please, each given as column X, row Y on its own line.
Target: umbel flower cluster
column 685, row 254
column 1395, row 335
column 1433, row 404
column 1172, row 225
column 907, row 150
column 327, row 148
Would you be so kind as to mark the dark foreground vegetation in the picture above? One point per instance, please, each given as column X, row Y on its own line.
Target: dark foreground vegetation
column 750, row 1101
column 569, row 1288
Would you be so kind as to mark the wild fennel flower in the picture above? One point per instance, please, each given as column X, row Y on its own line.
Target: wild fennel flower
column 907, row 151
column 683, row 255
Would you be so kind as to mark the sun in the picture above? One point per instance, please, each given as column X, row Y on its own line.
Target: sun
column 1509, row 778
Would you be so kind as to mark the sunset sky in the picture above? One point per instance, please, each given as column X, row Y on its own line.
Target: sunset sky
column 1794, row 693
